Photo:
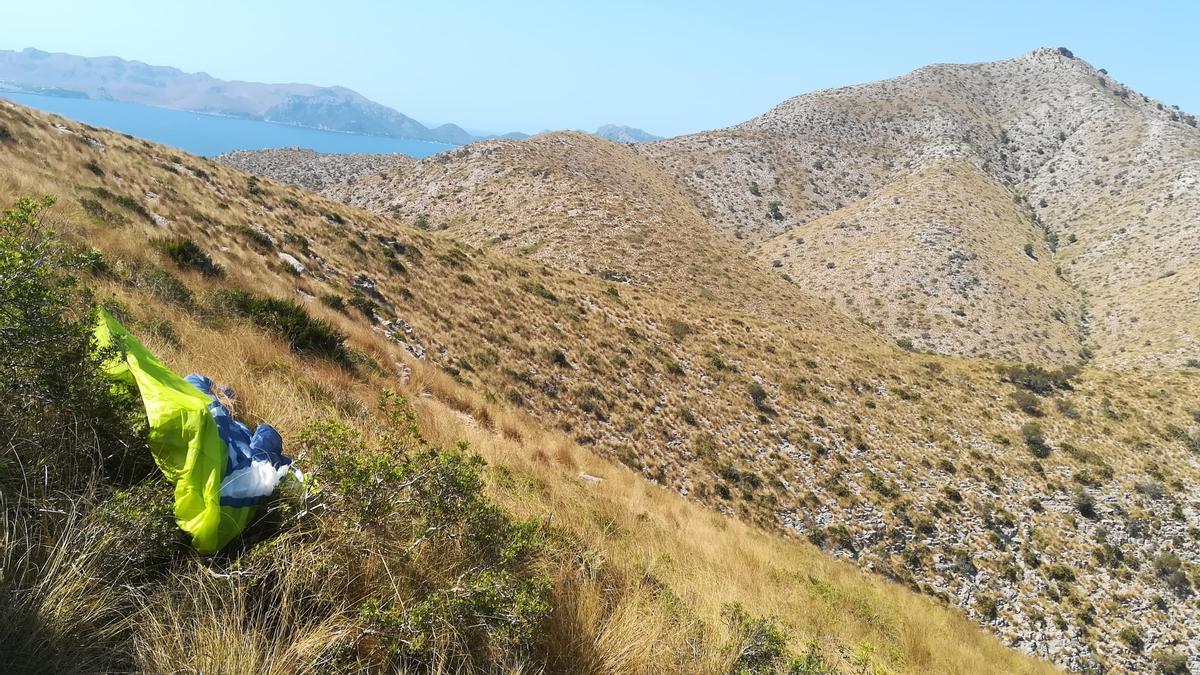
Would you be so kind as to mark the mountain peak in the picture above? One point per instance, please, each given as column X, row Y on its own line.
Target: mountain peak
column 625, row 134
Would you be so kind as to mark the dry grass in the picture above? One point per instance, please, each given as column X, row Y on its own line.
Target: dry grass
column 655, row 569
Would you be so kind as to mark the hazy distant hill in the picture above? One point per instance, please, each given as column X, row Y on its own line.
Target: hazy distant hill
column 624, row 134
column 306, row 105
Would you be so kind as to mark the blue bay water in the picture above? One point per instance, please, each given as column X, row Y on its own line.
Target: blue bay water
column 210, row 135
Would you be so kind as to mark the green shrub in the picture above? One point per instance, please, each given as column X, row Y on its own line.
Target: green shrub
column 987, row 607
column 162, row 284
column 538, row 289
column 97, row 211
column 334, row 302
column 1168, row 567
column 1037, row 379
column 1035, row 440
column 1171, row 663
column 187, row 254
column 257, row 238
column 1131, row 637
column 68, row 437
column 124, row 201
column 758, row 645
column 1027, row 402
column 556, row 356
column 466, row 587
column 289, row 322
column 758, row 394
column 55, row 404
column 1060, row 572
column 5, row 134
column 774, row 212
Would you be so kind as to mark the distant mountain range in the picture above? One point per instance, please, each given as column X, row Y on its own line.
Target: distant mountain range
column 623, row 134
column 112, row 78
column 305, row 105
column 333, row 108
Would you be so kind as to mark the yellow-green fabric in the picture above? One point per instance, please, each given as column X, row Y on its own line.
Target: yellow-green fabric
column 183, row 438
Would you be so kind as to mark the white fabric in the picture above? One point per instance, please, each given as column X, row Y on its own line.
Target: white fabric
column 257, row 480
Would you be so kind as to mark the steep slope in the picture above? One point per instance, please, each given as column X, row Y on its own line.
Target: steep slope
column 588, row 205
column 309, row 169
column 1089, row 153
column 939, row 259
column 1035, row 507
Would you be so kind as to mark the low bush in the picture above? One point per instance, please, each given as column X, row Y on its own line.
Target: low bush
column 288, row 321
column 1027, row 402
column 758, row 395
column 1037, row 379
column 1168, row 567
column 163, row 285
column 1132, row 638
column 187, row 254
column 758, row 645
column 1171, row 663
column 1035, row 440
column 459, row 584
column 124, row 201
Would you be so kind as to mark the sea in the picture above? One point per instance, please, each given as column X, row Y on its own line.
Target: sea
column 208, row 135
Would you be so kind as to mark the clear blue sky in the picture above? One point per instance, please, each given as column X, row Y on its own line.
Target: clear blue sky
column 670, row 67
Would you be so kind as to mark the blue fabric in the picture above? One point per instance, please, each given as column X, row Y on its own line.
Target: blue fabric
column 264, row 444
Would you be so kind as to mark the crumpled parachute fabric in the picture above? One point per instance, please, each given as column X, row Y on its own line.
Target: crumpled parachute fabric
column 220, row 469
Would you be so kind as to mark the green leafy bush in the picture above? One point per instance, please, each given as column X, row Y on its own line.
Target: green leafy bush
column 187, row 254
column 464, row 586
column 288, row 321
column 68, row 438
column 1131, row 637
column 58, row 415
column 1035, row 440
column 124, row 201
column 1037, row 379
column 758, row 394
column 759, row 645
column 163, row 285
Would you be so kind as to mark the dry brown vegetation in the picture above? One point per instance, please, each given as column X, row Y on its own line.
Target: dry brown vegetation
column 1107, row 173
column 642, row 580
column 718, row 381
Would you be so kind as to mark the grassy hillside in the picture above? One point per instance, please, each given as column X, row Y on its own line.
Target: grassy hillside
column 635, row 578
column 927, row 469
column 947, row 261
column 583, row 204
column 1107, row 173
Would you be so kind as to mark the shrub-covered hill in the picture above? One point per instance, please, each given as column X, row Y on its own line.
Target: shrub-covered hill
column 942, row 474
